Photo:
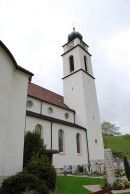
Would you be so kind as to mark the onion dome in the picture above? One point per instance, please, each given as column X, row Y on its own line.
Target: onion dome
column 74, row 35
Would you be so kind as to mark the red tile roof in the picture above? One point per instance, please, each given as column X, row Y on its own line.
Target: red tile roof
column 46, row 95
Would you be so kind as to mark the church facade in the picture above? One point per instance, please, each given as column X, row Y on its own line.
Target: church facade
column 69, row 124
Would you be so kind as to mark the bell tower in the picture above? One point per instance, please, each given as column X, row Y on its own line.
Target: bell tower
column 80, row 92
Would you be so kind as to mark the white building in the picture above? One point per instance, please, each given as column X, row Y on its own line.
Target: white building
column 13, row 95
column 69, row 124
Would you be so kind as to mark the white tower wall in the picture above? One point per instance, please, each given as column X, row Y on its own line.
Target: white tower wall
column 80, row 95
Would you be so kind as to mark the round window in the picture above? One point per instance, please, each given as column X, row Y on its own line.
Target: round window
column 29, row 104
column 50, row 110
column 66, row 115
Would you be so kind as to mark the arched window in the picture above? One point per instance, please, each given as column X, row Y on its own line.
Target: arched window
column 78, row 141
column 71, row 60
column 61, row 140
column 38, row 129
column 85, row 63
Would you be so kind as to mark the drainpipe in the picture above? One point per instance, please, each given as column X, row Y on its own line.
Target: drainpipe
column 41, row 107
column 74, row 117
column 51, row 134
column 88, row 152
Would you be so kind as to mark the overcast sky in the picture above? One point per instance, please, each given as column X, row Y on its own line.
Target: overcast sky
column 35, row 30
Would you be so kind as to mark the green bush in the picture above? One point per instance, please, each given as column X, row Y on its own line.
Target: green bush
column 33, row 146
column 44, row 170
column 81, row 169
column 127, row 168
column 23, row 182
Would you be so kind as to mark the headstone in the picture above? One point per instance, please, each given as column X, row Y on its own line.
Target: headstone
column 74, row 168
column 69, row 170
column 109, row 166
column 65, row 169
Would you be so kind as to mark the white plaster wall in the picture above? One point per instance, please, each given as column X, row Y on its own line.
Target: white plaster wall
column 74, row 97
column 5, row 84
column 93, row 119
column 87, row 114
column 36, row 107
column 70, row 156
column 66, row 66
column 74, row 43
column 13, row 90
column 80, row 95
column 78, row 55
column 58, row 112
column 82, row 53
column 31, row 122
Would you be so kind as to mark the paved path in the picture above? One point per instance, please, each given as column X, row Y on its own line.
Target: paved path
column 95, row 188
column 92, row 188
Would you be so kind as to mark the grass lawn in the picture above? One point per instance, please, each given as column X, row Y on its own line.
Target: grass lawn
column 74, row 185
column 125, row 193
column 119, row 144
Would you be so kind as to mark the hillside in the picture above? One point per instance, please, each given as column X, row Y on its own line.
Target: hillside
column 118, row 144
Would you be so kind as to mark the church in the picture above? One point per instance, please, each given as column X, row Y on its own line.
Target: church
column 69, row 124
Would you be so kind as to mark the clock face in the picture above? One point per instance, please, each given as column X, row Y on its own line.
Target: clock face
column 70, row 44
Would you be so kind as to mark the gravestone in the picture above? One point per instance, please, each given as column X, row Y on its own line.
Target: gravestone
column 109, row 166
column 74, row 168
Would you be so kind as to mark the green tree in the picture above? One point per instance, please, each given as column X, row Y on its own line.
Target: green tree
column 44, row 170
column 110, row 129
column 127, row 168
column 33, row 146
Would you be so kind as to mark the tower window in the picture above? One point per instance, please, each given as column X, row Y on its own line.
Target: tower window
column 85, row 63
column 71, row 59
column 95, row 140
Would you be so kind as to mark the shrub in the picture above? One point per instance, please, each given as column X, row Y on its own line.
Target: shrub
column 44, row 170
column 117, row 185
column 33, row 146
column 23, row 183
column 126, row 183
column 127, row 168
column 81, row 169
column 30, row 192
column 120, row 173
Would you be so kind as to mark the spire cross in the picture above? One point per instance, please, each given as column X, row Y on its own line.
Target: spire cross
column 73, row 26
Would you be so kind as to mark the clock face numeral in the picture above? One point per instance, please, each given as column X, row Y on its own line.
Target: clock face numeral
column 70, row 44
